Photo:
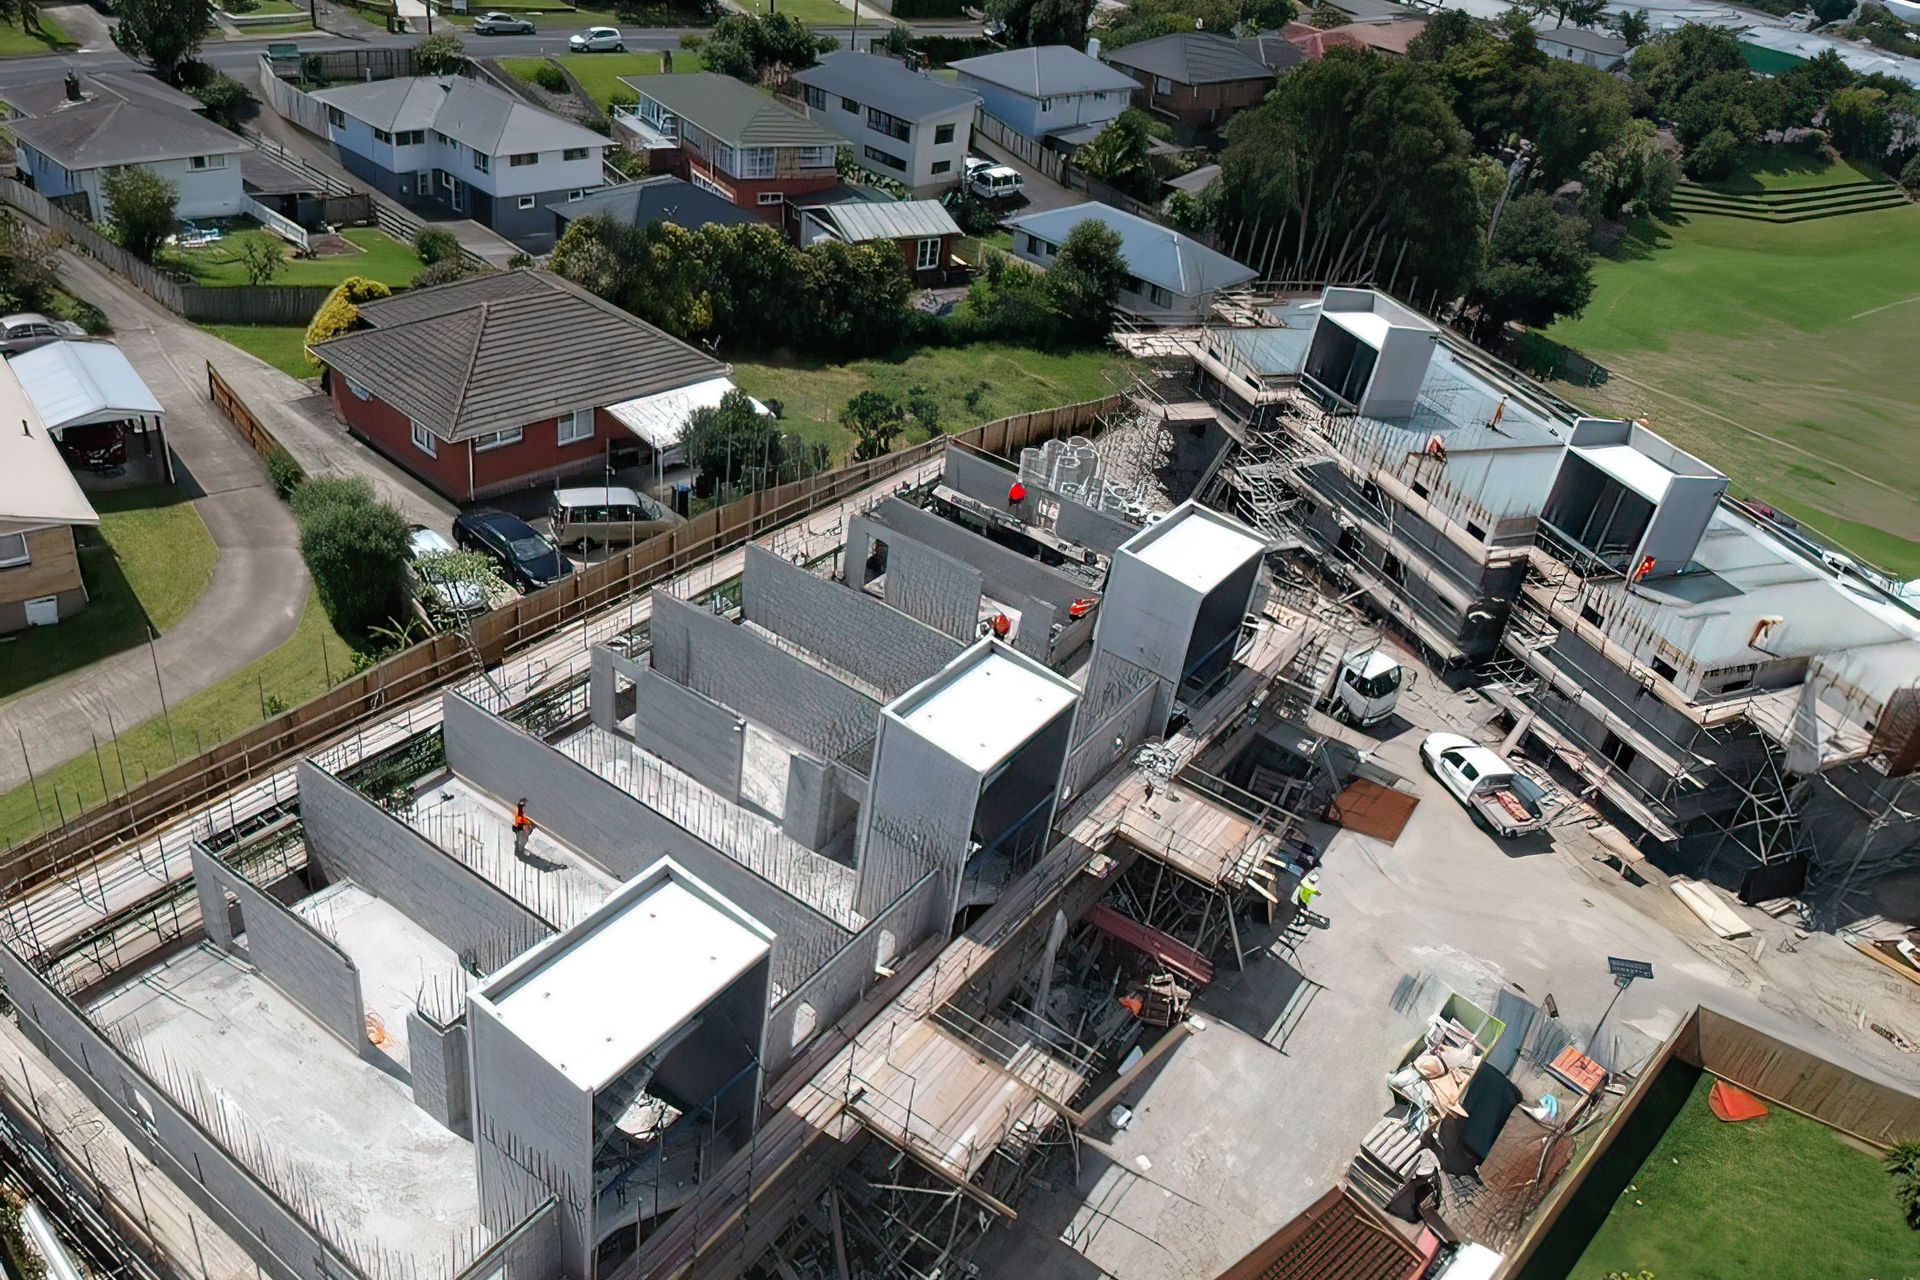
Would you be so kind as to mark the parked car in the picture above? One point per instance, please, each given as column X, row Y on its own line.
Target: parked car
column 996, row 182
column 606, row 515
column 597, row 40
column 97, row 446
column 25, row 330
column 527, row 558
column 459, row 599
column 502, row 24
column 1505, row 802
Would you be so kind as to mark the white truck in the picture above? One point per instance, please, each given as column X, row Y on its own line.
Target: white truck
column 1367, row 688
column 1505, row 802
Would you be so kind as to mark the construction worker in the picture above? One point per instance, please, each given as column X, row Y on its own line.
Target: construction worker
column 522, row 828
column 1016, row 494
column 1305, row 892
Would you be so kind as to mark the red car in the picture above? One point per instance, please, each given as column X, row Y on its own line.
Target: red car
column 96, row 446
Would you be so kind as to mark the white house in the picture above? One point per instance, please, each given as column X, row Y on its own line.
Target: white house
column 1588, row 48
column 1046, row 90
column 456, row 143
column 1171, row 278
column 68, row 151
column 902, row 124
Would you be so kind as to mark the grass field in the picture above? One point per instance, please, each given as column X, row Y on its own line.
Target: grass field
column 1781, row 354
column 144, row 566
column 15, row 41
column 998, row 380
column 1781, row 1197
column 818, row 13
column 383, row 258
column 599, row 73
column 282, row 346
column 291, row 674
column 1779, row 169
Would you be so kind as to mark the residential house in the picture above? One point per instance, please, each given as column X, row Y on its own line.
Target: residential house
column 40, row 506
column 46, row 97
column 1197, row 79
column 502, row 381
column 661, row 198
column 903, row 124
column 1599, row 49
column 731, row 139
column 1274, row 50
column 445, row 142
column 1171, row 278
column 1389, row 37
column 68, row 152
column 1046, row 90
column 923, row 231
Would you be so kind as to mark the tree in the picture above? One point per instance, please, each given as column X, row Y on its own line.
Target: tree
column 753, row 284
column 898, row 42
column 733, row 444
column 439, row 55
column 432, row 244
column 1041, row 22
column 876, row 419
column 356, row 552
column 1668, row 67
column 225, row 98
column 1860, row 123
column 1118, row 155
column 1634, row 178
column 1713, row 157
column 1574, row 111
column 1826, row 11
column 1581, row 13
column 457, row 577
column 1903, row 1163
column 1084, row 280
column 340, row 313
column 745, row 47
column 27, row 270
column 1538, row 268
column 1007, row 302
column 1445, row 31
column 1145, row 19
column 1910, row 177
column 140, row 206
column 262, row 257
column 1633, row 27
column 855, row 297
column 162, row 33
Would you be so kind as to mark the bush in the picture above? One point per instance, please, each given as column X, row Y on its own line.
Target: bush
column 692, row 41
column 340, row 313
column 551, row 78
column 285, row 473
column 356, row 553
column 312, row 499
column 1713, row 157
column 446, row 271
column 140, row 205
column 1910, row 177
column 434, row 244
column 1903, row 1163
column 439, row 55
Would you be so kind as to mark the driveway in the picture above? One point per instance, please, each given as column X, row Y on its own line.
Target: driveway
column 1042, row 192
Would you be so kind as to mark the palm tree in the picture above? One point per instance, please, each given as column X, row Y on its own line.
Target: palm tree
column 1634, row 28
column 1118, row 157
column 1581, row 13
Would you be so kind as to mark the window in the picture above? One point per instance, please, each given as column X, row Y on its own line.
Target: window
column 942, row 166
column 771, row 197
column 748, row 162
column 1619, row 750
column 893, row 126
column 576, row 426
column 482, row 162
column 526, row 202
column 496, row 440
column 522, row 160
column 424, row 442
column 816, row 157
column 816, row 98
column 848, row 104
column 442, row 138
column 13, row 550
column 1160, row 85
column 1046, row 104
column 927, row 254
column 357, row 390
column 1475, row 531
column 878, row 156
column 446, row 179
column 574, row 195
column 1589, row 614
column 1159, row 297
column 1421, row 489
column 207, row 162
column 381, row 135
column 574, row 153
column 1371, row 492
column 1664, row 669
column 410, row 138
column 1391, row 566
column 336, row 117
column 942, row 133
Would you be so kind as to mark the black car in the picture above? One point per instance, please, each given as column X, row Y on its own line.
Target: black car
column 527, row 558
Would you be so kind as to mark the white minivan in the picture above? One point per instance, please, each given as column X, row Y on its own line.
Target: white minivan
column 996, row 182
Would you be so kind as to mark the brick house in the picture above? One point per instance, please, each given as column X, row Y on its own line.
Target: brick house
column 730, row 139
column 502, row 382
column 1196, row 79
column 922, row 231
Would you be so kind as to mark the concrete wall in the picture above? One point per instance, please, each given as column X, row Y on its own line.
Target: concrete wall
column 1080, row 523
column 531, row 1251
column 823, row 800
column 301, row 962
column 281, row 1243
column 848, row 628
column 439, row 1059
column 922, row 583
column 987, row 480
column 919, row 817
column 790, row 696
column 688, row 731
column 353, row 838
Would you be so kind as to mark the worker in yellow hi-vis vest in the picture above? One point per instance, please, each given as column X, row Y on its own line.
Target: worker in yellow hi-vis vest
column 1305, row 892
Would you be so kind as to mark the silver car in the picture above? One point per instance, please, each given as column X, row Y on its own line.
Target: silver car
column 456, row 599
column 501, row 24
column 26, row 330
column 597, row 40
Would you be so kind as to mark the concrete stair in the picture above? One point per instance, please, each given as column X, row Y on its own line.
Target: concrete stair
column 1804, row 204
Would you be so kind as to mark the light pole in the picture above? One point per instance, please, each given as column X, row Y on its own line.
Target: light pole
column 1624, row 972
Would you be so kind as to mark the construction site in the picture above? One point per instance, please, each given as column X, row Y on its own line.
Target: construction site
column 1017, row 863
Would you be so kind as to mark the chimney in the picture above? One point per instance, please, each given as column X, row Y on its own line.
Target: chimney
column 1093, row 46
column 73, row 86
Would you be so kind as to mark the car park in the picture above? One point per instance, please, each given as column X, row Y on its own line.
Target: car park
column 527, row 558
column 502, row 24
column 597, row 40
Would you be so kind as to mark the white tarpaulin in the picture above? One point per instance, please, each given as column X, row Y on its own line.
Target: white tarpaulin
column 661, row 419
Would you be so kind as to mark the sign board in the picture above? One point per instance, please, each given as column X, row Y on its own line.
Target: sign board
column 1628, row 970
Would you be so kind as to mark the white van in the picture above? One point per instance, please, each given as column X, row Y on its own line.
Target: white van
column 996, row 182
column 606, row 515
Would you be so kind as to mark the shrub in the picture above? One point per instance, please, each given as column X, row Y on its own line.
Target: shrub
column 1903, row 1162
column 356, row 553
column 1910, row 177
column 1714, row 156
column 285, row 473
column 446, row 271
column 314, row 498
column 438, row 55
column 140, row 205
column 551, row 78
column 692, row 41
column 432, row 244
column 340, row 313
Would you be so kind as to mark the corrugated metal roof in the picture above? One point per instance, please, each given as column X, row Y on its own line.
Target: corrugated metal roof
column 1336, row 1238
column 886, row 83
column 1159, row 255
column 1191, row 57
column 36, row 488
column 731, row 111
column 1050, row 70
column 112, row 132
column 483, row 355
column 906, row 219
column 73, row 383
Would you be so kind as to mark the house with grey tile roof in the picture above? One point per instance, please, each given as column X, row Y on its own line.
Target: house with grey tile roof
column 1197, row 79
column 438, row 143
column 900, row 123
column 502, row 381
column 1043, row 90
column 660, row 198
column 1171, row 278
column 730, row 138
column 67, row 151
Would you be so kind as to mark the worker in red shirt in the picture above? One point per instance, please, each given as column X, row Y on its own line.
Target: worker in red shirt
column 1017, row 494
column 522, row 828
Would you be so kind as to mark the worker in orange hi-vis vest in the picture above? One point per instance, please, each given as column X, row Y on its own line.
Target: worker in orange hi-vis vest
column 522, row 828
column 1016, row 494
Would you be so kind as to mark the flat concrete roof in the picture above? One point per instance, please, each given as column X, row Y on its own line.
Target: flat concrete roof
column 1368, row 326
column 1630, row 467
column 595, row 999
column 985, row 706
column 1195, row 547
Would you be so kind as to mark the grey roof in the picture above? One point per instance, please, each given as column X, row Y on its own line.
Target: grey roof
column 1156, row 254
column 1047, row 70
column 500, row 351
column 1274, row 49
column 843, row 193
column 1194, row 181
column 731, row 111
column 1191, row 57
column 901, row 220
column 44, row 97
column 115, row 132
column 664, row 198
column 1592, row 41
column 473, row 114
column 269, row 177
column 874, row 81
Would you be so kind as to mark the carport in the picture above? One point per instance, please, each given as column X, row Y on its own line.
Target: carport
column 660, row 421
column 83, row 384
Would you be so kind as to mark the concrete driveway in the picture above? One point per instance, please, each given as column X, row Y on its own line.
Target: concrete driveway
column 1042, row 192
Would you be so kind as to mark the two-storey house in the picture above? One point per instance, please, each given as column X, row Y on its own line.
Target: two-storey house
column 902, row 124
column 731, row 139
column 1046, row 90
column 1196, row 79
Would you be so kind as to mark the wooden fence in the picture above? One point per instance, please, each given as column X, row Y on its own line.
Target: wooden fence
column 526, row 620
column 235, row 411
column 1038, row 155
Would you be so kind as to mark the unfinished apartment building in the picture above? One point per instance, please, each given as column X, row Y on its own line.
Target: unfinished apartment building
column 800, row 852
column 1739, row 697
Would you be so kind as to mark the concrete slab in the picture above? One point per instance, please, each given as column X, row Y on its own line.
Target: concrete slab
column 383, row 1172
column 397, row 959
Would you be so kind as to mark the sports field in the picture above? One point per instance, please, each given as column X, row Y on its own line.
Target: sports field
column 1788, row 355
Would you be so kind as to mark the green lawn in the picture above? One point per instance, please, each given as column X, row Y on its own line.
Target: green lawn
column 15, row 41
column 599, row 73
column 1782, row 355
column 144, row 566
column 1781, row 1197
column 819, row 13
column 293, row 673
column 264, row 7
column 1000, row 380
column 1781, row 169
column 290, row 28
column 383, row 258
column 282, row 346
